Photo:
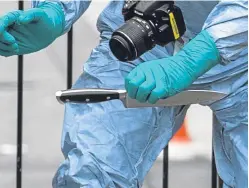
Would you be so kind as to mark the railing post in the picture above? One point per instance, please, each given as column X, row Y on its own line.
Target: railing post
column 216, row 180
column 19, row 114
column 165, row 166
column 70, row 58
column 214, row 172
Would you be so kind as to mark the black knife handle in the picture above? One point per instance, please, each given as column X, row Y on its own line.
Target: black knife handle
column 87, row 95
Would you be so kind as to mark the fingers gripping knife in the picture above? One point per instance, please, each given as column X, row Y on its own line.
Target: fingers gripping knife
column 100, row 95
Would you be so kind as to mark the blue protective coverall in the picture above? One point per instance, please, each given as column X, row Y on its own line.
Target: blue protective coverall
column 106, row 145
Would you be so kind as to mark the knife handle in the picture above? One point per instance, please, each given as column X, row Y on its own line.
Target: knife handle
column 87, row 95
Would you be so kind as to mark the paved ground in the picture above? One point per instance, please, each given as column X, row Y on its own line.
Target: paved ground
column 37, row 173
column 45, row 73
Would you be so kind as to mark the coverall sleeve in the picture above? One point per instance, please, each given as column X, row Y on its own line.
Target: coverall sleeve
column 72, row 10
column 227, row 24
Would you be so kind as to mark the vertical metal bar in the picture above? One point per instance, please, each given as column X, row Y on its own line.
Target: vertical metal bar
column 216, row 181
column 70, row 58
column 19, row 114
column 165, row 166
column 214, row 173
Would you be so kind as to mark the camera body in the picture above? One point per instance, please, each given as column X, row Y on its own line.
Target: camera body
column 147, row 23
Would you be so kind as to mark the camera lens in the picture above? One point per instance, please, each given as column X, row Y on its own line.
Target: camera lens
column 131, row 40
column 120, row 48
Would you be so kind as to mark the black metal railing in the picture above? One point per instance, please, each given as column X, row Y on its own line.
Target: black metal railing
column 216, row 182
column 19, row 114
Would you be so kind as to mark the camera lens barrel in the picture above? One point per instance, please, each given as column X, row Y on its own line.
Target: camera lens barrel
column 131, row 40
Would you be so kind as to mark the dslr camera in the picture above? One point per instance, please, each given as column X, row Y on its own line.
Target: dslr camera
column 147, row 23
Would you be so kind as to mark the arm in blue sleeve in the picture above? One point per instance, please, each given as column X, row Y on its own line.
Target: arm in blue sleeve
column 72, row 10
column 227, row 24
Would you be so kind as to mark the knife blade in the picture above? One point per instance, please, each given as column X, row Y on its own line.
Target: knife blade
column 186, row 97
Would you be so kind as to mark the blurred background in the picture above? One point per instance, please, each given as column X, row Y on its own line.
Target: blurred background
column 44, row 74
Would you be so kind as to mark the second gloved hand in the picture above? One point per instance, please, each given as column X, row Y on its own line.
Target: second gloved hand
column 157, row 79
column 7, row 41
column 35, row 29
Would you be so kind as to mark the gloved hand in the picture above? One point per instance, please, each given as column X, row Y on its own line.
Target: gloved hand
column 157, row 79
column 33, row 29
column 7, row 41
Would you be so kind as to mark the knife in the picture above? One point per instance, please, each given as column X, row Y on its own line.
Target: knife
column 186, row 97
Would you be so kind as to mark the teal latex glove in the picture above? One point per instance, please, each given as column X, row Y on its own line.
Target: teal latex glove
column 7, row 41
column 34, row 29
column 158, row 79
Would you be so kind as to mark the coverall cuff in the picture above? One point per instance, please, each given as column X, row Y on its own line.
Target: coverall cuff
column 227, row 24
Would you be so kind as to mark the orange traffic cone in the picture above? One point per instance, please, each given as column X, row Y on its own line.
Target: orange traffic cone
column 180, row 146
column 182, row 134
